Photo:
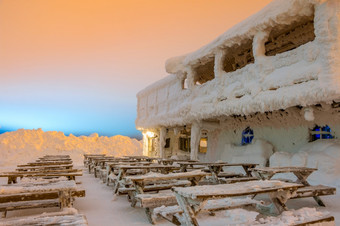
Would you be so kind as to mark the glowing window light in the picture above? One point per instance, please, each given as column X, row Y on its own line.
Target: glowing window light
column 150, row 134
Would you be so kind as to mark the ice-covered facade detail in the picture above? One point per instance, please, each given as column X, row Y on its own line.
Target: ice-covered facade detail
column 266, row 72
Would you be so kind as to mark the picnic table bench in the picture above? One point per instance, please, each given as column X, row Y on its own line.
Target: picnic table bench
column 12, row 176
column 123, row 169
column 44, row 167
column 87, row 156
column 100, row 164
column 192, row 199
column 302, row 173
column 217, row 167
column 47, row 163
column 55, row 218
column 93, row 161
column 50, row 159
column 112, row 169
column 39, row 194
column 157, row 182
column 141, row 158
column 172, row 161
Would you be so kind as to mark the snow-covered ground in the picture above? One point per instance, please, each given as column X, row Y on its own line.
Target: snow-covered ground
column 100, row 206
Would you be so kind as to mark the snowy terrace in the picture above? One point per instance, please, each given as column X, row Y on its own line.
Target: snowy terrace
column 285, row 55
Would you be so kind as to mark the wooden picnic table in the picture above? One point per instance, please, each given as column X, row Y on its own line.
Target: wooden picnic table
column 217, row 167
column 93, row 161
column 140, row 181
column 302, row 173
column 124, row 168
column 12, row 176
column 57, row 218
column 172, row 161
column 47, row 163
column 141, row 158
column 157, row 182
column 43, row 167
column 192, row 199
column 30, row 194
column 111, row 167
column 87, row 156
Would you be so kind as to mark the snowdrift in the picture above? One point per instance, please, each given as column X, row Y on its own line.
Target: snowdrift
column 22, row 146
column 321, row 154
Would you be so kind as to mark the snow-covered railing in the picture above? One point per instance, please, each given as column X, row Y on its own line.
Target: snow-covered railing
column 258, row 80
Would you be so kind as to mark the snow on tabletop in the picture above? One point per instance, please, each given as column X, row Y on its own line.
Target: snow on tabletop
column 321, row 154
column 236, row 188
column 152, row 175
column 18, row 188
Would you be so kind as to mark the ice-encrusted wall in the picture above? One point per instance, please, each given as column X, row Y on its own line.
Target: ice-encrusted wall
column 286, row 131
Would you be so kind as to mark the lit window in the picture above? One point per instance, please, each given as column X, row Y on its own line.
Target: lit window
column 203, row 145
column 247, row 136
column 319, row 132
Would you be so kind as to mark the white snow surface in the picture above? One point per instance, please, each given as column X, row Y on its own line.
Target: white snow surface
column 23, row 188
column 22, row 146
column 321, row 154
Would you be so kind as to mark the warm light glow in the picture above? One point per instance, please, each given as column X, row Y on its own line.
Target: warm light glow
column 150, row 134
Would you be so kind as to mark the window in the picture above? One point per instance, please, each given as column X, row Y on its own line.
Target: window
column 203, row 145
column 288, row 37
column 238, row 56
column 184, row 144
column 247, row 136
column 204, row 72
column 319, row 132
column 167, row 143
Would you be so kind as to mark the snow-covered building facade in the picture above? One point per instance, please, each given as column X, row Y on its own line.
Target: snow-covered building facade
column 271, row 83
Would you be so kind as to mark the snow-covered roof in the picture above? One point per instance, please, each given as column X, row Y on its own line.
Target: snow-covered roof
column 276, row 12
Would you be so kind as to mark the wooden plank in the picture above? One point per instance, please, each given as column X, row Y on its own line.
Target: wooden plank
column 29, row 196
column 29, row 204
column 328, row 220
column 57, row 218
column 171, row 176
column 310, row 191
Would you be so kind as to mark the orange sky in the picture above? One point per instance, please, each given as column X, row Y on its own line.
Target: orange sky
column 101, row 52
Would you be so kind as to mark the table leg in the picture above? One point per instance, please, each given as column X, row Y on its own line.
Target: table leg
column 116, row 185
column 280, row 198
column 188, row 212
column 247, row 169
column 183, row 168
column 302, row 177
column 139, row 189
column 215, row 170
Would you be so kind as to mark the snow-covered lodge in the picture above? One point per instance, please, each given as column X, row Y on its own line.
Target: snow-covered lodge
column 271, row 83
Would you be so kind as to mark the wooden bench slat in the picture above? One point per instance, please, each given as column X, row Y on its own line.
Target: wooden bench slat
column 328, row 220
column 47, row 219
column 29, row 204
column 311, row 191
column 238, row 179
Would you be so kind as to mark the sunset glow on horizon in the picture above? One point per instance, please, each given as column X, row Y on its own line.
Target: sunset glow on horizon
column 76, row 65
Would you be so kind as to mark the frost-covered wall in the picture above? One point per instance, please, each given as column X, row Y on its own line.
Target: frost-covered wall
column 255, row 81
